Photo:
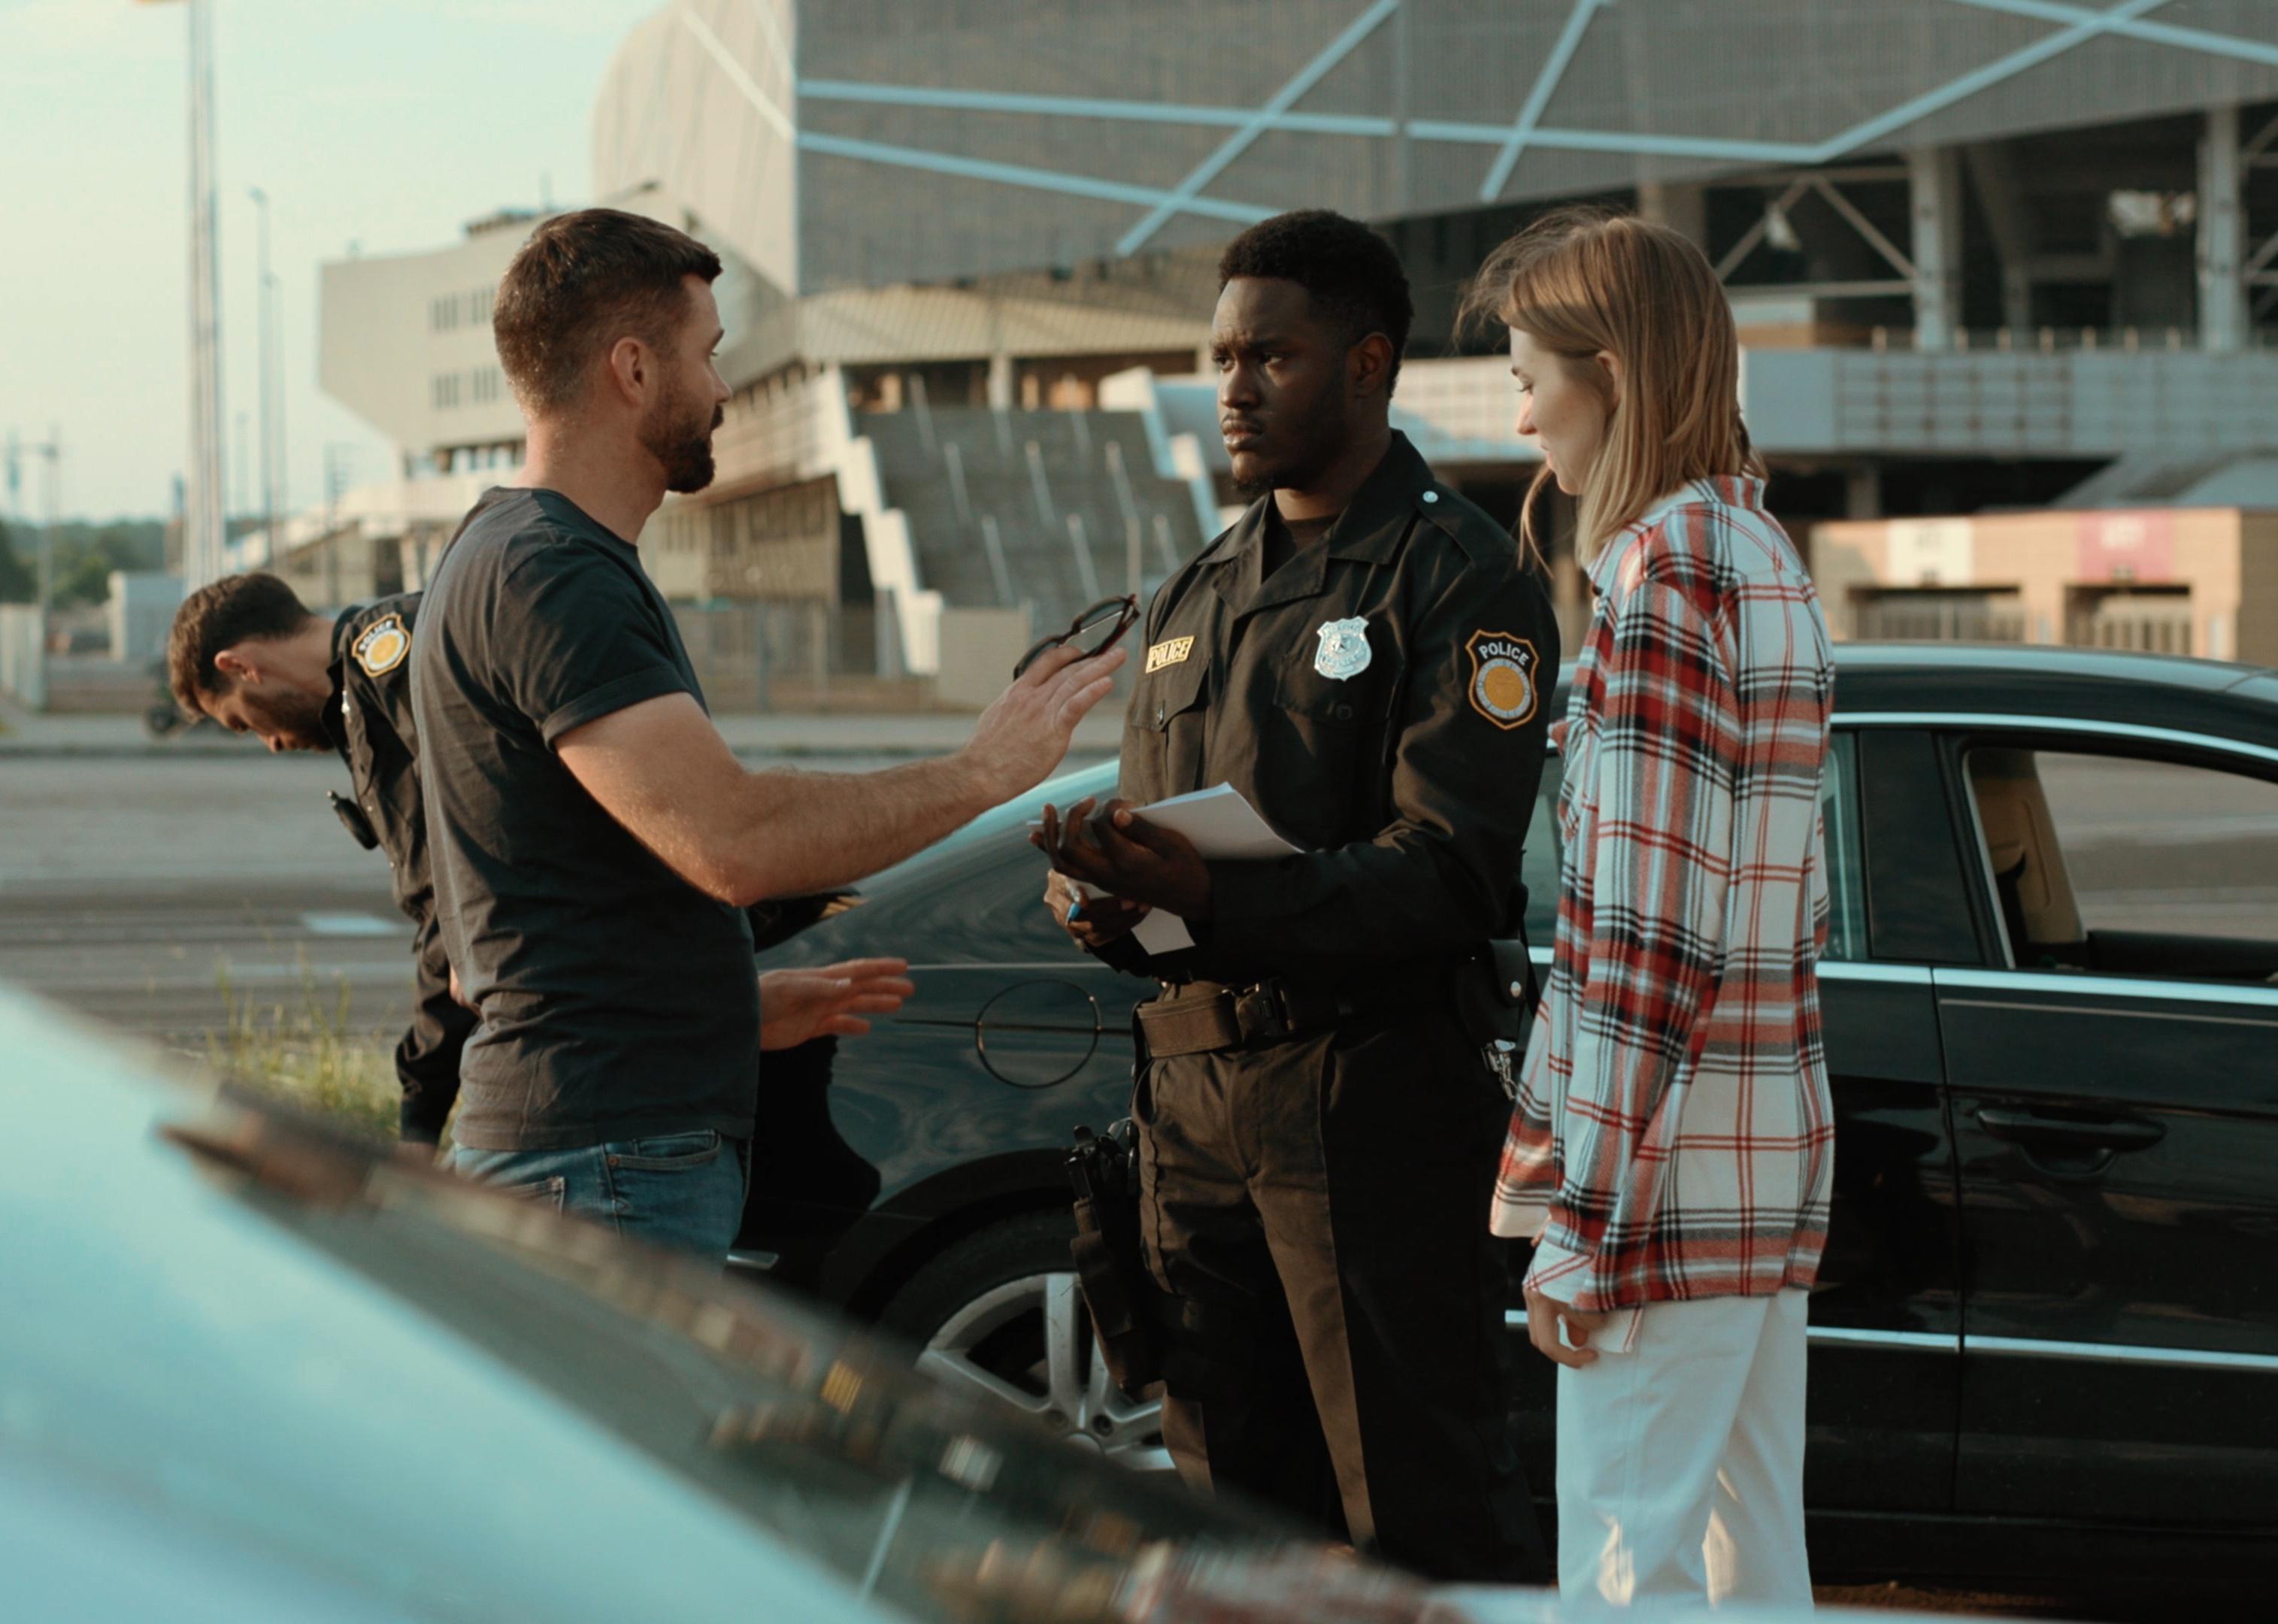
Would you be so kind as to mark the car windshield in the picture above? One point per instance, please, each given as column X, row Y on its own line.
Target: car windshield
column 920, row 1497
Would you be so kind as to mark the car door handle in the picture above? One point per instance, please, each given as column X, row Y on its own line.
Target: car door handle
column 2113, row 1134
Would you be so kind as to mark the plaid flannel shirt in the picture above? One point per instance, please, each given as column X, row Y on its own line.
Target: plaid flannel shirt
column 1674, row 1136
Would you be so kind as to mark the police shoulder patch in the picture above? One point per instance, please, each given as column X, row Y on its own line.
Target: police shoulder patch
column 1504, row 686
column 380, row 646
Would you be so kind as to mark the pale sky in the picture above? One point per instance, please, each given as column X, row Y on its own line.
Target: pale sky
column 389, row 123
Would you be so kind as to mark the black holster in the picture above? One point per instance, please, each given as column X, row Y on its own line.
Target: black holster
column 1111, row 1261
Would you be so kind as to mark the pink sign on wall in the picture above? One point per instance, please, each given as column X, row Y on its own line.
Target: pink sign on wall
column 2126, row 546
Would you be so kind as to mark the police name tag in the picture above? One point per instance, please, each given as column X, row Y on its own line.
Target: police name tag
column 1171, row 653
column 1344, row 650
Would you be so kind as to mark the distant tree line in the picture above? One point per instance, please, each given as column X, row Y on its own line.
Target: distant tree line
column 86, row 554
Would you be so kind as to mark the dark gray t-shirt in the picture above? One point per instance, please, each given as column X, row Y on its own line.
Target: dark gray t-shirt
column 617, row 1000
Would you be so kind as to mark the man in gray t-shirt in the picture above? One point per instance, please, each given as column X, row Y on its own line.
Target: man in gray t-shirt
column 594, row 841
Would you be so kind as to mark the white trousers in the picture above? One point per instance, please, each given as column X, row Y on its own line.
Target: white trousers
column 1680, row 1462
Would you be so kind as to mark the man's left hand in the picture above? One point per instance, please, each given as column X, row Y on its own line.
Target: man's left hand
column 795, row 1005
column 1127, row 856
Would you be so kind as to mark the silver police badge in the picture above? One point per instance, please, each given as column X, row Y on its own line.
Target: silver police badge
column 1344, row 649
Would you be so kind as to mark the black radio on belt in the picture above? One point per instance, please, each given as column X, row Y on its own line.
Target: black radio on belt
column 353, row 820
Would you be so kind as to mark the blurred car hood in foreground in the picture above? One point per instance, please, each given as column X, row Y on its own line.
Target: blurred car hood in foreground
column 255, row 1367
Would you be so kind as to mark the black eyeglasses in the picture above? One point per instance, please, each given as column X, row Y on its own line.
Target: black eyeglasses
column 1096, row 631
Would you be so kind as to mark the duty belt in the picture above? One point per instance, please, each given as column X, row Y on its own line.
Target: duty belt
column 1203, row 1015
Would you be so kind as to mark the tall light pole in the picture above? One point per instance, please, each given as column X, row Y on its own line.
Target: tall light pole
column 271, row 388
column 202, row 530
column 54, row 452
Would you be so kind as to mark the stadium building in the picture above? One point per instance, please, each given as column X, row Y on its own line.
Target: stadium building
column 1985, row 254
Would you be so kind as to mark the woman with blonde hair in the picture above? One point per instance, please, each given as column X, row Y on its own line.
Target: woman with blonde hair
column 1672, row 1146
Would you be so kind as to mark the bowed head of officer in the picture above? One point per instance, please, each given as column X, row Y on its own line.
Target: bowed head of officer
column 1320, row 1092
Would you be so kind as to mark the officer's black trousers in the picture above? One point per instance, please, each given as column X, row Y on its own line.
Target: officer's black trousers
column 1318, row 1209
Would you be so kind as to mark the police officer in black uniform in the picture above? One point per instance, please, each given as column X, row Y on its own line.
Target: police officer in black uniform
column 246, row 651
column 1319, row 1102
column 369, row 721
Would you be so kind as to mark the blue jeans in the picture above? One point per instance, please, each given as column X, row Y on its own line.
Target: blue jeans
column 683, row 1191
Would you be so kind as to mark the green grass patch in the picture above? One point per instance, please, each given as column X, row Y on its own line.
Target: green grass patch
column 300, row 1048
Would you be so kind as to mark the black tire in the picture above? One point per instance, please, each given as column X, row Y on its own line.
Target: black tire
column 990, row 1312
column 994, row 1255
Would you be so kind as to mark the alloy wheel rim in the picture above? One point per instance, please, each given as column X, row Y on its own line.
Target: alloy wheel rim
column 1068, row 1388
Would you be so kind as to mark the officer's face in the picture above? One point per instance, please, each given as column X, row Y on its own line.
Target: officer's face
column 283, row 717
column 1563, row 406
column 1282, row 401
column 678, row 428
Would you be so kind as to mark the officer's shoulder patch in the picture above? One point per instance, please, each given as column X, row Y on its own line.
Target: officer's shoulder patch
column 380, row 646
column 1171, row 651
column 1505, row 688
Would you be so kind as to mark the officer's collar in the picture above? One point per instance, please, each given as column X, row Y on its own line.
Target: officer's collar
column 1370, row 528
column 334, row 724
column 1398, row 491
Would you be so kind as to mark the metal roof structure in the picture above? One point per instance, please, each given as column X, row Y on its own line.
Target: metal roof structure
column 838, row 143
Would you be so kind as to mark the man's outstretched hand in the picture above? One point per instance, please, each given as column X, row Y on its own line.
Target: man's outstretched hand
column 1122, row 854
column 795, row 1005
column 1025, row 734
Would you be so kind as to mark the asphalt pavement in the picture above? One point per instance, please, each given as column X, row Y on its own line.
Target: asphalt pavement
column 155, row 887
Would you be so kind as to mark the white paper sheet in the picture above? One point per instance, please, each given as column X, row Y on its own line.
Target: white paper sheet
column 1223, row 826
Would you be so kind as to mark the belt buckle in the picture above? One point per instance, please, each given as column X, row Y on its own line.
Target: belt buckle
column 1259, row 1012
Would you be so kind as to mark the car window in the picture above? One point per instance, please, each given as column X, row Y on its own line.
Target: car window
column 1838, row 807
column 1846, row 869
column 1539, row 863
column 2128, row 865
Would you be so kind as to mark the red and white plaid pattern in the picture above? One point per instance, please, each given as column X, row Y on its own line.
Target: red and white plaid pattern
column 1674, row 1137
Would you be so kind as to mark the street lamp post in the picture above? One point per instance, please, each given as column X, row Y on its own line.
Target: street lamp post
column 202, row 530
column 269, row 388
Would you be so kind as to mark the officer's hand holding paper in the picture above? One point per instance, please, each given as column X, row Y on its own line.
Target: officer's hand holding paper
column 1158, row 854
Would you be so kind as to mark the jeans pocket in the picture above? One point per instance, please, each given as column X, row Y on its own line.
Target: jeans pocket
column 550, row 1193
column 668, row 1153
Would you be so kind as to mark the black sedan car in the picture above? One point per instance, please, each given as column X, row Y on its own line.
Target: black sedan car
column 2046, row 1335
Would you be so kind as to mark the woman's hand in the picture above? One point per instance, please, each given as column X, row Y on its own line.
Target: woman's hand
column 1543, row 1314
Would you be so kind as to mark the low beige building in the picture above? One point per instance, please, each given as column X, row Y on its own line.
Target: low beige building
column 2174, row 580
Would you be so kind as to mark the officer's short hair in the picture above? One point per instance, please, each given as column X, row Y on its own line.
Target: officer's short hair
column 1353, row 275
column 221, row 616
column 584, row 280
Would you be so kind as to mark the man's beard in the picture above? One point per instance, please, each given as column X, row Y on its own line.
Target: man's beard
column 294, row 715
column 1320, row 437
column 682, row 441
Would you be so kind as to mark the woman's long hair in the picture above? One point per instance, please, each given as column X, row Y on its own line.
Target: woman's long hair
column 1580, row 281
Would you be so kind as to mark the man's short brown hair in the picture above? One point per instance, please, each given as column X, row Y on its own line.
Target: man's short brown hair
column 583, row 281
column 221, row 616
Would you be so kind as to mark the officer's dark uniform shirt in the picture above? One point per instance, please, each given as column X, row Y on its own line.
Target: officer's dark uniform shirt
column 617, row 1000
column 1313, row 1201
column 1380, row 700
column 369, row 722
